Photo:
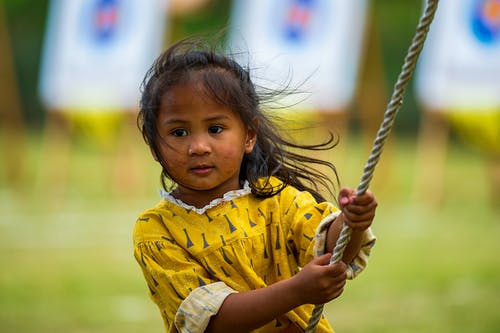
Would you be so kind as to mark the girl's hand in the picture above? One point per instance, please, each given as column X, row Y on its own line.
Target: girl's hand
column 358, row 211
column 318, row 282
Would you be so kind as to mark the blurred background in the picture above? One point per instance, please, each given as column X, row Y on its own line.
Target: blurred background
column 75, row 172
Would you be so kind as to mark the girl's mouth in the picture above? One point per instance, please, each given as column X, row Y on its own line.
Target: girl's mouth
column 201, row 169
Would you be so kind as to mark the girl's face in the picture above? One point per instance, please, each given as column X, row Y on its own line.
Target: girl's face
column 202, row 144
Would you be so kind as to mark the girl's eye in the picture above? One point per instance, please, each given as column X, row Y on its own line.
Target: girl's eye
column 214, row 129
column 179, row 132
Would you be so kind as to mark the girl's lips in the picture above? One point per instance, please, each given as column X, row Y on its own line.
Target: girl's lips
column 201, row 170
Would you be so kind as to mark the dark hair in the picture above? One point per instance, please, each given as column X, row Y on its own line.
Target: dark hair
column 229, row 84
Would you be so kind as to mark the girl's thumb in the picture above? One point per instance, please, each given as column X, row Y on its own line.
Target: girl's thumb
column 323, row 259
column 344, row 196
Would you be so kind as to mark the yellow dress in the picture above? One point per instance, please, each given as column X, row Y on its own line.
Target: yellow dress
column 192, row 259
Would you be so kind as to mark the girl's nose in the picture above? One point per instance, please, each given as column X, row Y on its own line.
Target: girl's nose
column 199, row 146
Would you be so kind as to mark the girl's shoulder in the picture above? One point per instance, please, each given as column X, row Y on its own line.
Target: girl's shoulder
column 150, row 223
column 291, row 201
column 290, row 192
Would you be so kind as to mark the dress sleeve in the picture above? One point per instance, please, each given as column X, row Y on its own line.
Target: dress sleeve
column 359, row 263
column 302, row 215
column 202, row 303
column 309, row 222
column 181, row 287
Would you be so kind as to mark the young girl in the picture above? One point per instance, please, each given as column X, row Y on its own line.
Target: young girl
column 238, row 241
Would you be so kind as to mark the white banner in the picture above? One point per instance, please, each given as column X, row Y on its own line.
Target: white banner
column 97, row 52
column 459, row 69
column 314, row 45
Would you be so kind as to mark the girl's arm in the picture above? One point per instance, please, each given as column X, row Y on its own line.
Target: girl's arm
column 316, row 283
column 357, row 213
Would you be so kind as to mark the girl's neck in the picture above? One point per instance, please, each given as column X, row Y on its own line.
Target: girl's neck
column 202, row 198
column 202, row 207
column 198, row 199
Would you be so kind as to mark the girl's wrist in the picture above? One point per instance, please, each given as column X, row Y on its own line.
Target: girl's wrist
column 291, row 291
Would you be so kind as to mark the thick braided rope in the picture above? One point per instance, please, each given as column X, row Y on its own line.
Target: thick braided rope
column 393, row 107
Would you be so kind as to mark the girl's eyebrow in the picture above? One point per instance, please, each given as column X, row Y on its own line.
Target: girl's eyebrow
column 174, row 121
column 217, row 117
column 183, row 121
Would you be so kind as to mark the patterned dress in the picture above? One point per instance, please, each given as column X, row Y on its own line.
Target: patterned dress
column 193, row 259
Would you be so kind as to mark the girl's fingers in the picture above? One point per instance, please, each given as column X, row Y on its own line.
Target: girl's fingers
column 343, row 201
column 346, row 195
column 358, row 218
column 363, row 199
column 359, row 221
column 360, row 210
column 339, row 269
column 323, row 259
column 340, row 277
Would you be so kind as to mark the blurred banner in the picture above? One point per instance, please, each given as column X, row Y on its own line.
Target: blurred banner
column 97, row 52
column 311, row 45
column 459, row 70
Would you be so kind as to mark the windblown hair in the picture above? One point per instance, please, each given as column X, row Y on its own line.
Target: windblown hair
column 226, row 82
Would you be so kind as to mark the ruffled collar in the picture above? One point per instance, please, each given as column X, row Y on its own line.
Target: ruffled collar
column 231, row 195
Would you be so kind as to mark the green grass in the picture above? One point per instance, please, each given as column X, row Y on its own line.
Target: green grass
column 67, row 263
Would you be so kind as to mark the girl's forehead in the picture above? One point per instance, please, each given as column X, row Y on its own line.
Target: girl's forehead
column 211, row 86
column 214, row 86
column 190, row 99
column 186, row 109
column 186, row 92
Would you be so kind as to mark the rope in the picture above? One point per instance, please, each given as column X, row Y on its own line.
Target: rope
column 393, row 107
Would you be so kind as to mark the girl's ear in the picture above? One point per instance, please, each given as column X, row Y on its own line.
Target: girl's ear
column 250, row 140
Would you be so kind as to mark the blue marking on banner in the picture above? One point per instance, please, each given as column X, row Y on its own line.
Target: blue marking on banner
column 485, row 21
column 298, row 20
column 105, row 20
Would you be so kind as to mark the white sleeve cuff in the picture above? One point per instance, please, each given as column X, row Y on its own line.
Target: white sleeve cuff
column 321, row 232
column 202, row 303
column 360, row 262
